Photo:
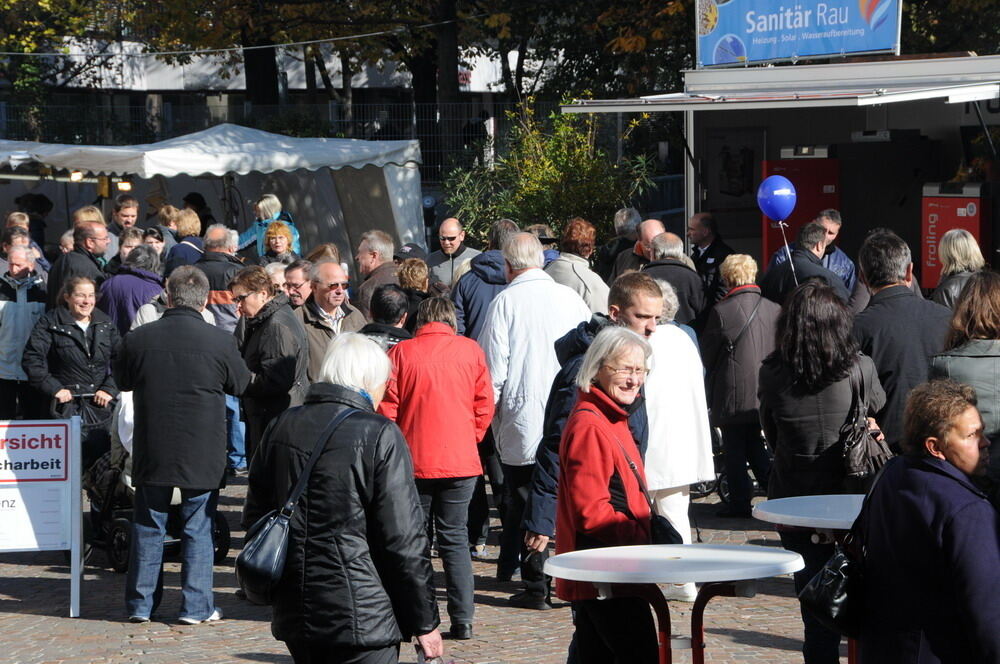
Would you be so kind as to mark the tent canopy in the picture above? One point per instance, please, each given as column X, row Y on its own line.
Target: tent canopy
column 222, row 149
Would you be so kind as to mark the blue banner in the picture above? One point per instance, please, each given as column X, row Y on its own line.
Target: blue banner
column 737, row 32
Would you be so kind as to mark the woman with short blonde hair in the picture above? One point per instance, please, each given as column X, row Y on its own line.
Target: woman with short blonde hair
column 738, row 270
column 189, row 249
column 960, row 259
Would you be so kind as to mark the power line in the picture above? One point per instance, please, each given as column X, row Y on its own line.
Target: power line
column 213, row 51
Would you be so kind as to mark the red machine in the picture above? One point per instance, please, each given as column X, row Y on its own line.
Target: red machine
column 947, row 206
column 817, row 187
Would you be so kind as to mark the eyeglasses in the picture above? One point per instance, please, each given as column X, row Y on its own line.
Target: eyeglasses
column 294, row 286
column 344, row 285
column 637, row 372
column 239, row 298
column 443, row 238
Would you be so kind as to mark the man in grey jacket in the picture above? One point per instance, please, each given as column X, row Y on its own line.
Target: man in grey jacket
column 453, row 253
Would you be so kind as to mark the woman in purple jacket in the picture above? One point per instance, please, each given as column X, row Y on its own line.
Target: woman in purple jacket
column 137, row 282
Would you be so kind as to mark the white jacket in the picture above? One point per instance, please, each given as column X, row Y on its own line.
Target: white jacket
column 680, row 441
column 574, row 272
column 518, row 336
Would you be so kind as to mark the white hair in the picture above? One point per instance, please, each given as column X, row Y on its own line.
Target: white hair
column 378, row 242
column 609, row 342
column 523, row 251
column 19, row 249
column 667, row 245
column 268, row 206
column 670, row 302
column 355, row 361
column 275, row 268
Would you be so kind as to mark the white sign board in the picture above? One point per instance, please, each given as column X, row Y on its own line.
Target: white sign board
column 40, row 506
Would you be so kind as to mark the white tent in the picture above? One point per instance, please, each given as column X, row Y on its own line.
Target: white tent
column 333, row 188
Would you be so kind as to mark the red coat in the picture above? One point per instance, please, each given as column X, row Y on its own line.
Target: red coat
column 441, row 396
column 600, row 502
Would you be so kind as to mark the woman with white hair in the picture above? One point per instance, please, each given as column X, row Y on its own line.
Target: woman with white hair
column 358, row 578
column 960, row 259
column 601, row 500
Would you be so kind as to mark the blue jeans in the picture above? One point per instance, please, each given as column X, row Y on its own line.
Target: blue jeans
column 144, row 583
column 234, row 434
column 446, row 508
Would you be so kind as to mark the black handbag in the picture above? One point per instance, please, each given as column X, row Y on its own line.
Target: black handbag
column 261, row 563
column 864, row 454
column 660, row 529
column 835, row 595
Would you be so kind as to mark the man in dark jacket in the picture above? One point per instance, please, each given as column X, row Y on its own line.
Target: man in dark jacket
column 220, row 265
column 179, row 369
column 669, row 264
column 626, row 222
column 806, row 264
column 833, row 259
column 485, row 279
column 90, row 239
column 899, row 331
column 929, row 519
column 641, row 251
column 635, row 302
column 708, row 251
column 389, row 315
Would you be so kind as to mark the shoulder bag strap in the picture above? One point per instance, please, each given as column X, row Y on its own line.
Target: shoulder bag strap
column 730, row 346
column 300, row 485
column 632, row 466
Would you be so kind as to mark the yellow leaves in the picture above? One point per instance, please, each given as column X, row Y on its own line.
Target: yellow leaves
column 672, row 8
column 501, row 23
column 628, row 44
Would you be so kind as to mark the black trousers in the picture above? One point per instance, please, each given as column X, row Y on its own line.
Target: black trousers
column 517, row 482
column 743, row 444
column 306, row 652
column 614, row 631
column 821, row 645
column 479, row 507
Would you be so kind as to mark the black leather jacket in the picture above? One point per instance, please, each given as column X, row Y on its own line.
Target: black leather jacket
column 950, row 288
column 358, row 572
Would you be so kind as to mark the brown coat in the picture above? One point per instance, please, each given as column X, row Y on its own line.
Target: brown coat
column 383, row 274
column 732, row 376
column 319, row 333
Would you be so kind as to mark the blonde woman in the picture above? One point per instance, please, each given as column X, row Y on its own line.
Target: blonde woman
column 960, row 259
column 189, row 249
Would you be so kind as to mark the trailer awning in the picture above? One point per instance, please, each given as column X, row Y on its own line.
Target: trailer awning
column 953, row 80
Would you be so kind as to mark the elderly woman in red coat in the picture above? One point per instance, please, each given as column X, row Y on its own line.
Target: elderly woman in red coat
column 600, row 498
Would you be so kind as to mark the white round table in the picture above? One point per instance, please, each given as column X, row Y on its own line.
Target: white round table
column 673, row 563
column 833, row 512
column 634, row 571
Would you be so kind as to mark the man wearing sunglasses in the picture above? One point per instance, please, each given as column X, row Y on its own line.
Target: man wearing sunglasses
column 326, row 312
column 453, row 253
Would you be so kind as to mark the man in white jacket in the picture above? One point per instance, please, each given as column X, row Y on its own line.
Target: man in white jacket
column 521, row 327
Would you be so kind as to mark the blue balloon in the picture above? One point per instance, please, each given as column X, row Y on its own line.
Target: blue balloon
column 776, row 197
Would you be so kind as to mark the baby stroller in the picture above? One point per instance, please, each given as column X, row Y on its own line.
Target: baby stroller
column 108, row 484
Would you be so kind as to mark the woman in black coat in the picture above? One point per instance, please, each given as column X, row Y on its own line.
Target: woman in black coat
column 805, row 399
column 358, row 578
column 739, row 334
column 274, row 346
column 70, row 352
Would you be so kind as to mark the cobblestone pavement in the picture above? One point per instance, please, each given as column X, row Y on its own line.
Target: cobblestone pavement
column 34, row 605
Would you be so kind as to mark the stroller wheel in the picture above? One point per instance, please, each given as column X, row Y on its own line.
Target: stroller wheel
column 722, row 488
column 703, row 489
column 119, row 538
column 221, row 538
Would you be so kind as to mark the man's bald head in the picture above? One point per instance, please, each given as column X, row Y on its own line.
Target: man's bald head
column 649, row 229
column 450, row 235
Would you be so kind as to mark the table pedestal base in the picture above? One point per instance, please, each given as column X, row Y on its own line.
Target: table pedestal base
column 661, row 608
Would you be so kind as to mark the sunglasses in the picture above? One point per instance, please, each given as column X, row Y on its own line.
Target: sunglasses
column 239, row 298
column 443, row 238
column 333, row 284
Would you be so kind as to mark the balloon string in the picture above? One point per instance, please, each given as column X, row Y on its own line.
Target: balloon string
column 788, row 252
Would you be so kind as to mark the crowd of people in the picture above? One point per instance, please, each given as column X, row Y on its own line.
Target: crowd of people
column 580, row 383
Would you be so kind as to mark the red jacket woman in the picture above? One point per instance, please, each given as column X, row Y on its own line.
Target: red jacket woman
column 600, row 502
column 441, row 396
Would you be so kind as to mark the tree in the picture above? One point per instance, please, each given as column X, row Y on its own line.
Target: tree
column 547, row 176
